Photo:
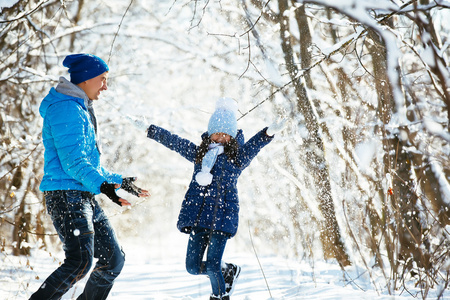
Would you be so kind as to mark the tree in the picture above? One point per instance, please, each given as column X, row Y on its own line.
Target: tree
column 315, row 152
column 23, row 66
column 400, row 221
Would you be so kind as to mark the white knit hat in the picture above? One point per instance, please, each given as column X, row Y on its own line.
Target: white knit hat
column 224, row 117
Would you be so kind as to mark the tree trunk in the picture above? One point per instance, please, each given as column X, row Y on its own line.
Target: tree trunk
column 403, row 221
column 315, row 155
column 21, row 230
column 76, row 19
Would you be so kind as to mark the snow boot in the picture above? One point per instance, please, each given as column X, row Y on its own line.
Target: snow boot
column 230, row 275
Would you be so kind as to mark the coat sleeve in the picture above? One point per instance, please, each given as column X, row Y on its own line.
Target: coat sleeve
column 111, row 177
column 251, row 148
column 69, row 130
column 182, row 146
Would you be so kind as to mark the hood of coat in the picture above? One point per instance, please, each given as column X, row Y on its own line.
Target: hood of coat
column 64, row 91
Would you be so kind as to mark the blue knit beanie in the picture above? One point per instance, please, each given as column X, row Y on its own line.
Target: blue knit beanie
column 83, row 67
column 224, row 117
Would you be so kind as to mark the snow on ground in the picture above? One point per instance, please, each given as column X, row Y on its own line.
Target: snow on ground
column 151, row 275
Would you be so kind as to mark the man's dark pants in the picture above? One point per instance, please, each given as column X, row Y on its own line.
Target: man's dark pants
column 85, row 232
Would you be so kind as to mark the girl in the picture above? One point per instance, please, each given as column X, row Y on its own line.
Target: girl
column 209, row 212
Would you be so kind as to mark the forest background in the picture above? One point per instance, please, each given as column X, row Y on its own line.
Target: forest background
column 360, row 175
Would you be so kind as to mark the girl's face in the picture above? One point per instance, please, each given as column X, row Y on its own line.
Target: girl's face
column 220, row 137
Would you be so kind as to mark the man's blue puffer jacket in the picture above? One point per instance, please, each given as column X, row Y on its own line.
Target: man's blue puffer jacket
column 72, row 160
column 215, row 206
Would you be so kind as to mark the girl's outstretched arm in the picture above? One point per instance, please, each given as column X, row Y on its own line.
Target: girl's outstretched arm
column 184, row 147
column 251, row 148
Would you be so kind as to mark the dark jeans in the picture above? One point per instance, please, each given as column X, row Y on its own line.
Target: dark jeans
column 199, row 239
column 85, row 233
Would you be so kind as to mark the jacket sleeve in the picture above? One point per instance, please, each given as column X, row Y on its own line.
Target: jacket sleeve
column 251, row 148
column 68, row 126
column 111, row 177
column 182, row 146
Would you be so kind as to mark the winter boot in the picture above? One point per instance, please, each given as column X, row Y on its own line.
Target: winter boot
column 230, row 275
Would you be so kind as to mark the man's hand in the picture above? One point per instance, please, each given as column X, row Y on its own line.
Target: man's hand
column 128, row 185
column 109, row 189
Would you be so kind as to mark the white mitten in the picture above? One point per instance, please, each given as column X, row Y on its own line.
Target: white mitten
column 204, row 178
column 138, row 123
column 276, row 127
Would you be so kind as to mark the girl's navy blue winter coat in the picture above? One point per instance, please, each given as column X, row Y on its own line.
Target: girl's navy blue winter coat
column 215, row 206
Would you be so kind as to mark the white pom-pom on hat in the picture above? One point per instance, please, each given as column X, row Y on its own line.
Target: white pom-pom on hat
column 227, row 103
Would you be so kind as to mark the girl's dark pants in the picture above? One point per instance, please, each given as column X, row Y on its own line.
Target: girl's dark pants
column 199, row 240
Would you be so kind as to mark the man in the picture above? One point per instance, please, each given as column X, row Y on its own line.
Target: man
column 73, row 175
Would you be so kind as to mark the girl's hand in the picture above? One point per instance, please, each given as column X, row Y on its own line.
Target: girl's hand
column 138, row 123
column 276, row 127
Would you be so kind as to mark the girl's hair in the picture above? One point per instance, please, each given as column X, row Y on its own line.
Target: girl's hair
column 230, row 149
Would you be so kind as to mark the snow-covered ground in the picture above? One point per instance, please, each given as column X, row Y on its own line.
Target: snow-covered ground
column 158, row 273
